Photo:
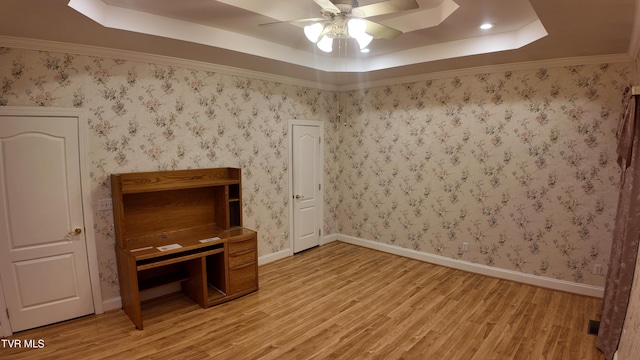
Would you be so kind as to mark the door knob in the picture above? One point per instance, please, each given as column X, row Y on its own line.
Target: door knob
column 298, row 197
column 76, row 231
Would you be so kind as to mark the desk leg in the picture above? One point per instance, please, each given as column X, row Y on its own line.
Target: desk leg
column 129, row 291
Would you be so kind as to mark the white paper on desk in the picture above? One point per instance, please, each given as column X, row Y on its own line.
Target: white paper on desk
column 169, row 247
column 209, row 239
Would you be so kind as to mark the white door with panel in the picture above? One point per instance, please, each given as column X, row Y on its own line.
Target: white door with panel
column 307, row 170
column 43, row 255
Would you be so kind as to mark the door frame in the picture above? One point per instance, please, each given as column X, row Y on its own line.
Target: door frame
column 290, row 125
column 87, row 207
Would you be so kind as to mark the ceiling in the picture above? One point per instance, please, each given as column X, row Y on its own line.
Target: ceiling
column 440, row 35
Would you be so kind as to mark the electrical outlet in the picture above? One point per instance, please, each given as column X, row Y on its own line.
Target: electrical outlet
column 597, row 269
column 465, row 246
column 283, row 236
column 367, row 227
column 105, row 204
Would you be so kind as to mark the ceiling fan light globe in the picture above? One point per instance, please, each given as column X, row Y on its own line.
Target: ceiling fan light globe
column 325, row 44
column 313, row 31
column 356, row 27
column 364, row 40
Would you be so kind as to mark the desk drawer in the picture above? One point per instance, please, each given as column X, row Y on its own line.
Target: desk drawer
column 242, row 258
column 240, row 246
column 243, row 278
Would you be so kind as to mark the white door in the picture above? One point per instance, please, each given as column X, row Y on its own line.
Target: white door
column 307, row 169
column 43, row 255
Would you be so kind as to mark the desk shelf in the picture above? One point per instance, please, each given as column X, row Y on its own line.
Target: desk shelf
column 162, row 281
column 214, row 295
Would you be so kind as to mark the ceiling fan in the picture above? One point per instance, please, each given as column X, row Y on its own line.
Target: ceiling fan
column 345, row 19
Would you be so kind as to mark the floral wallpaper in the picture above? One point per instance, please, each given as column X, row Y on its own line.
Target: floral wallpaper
column 519, row 165
column 146, row 117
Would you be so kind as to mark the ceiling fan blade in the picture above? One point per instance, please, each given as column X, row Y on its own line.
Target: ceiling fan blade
column 293, row 21
column 385, row 7
column 381, row 31
column 327, row 5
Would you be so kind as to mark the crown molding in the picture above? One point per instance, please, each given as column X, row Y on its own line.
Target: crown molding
column 88, row 50
column 528, row 65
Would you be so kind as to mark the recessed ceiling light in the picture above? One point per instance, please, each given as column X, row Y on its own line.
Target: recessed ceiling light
column 486, row 26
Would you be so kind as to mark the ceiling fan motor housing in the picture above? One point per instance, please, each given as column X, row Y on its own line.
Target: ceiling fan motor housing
column 345, row 6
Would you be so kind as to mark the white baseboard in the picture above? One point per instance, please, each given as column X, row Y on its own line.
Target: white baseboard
column 541, row 281
column 265, row 259
column 563, row 285
column 329, row 238
column 114, row 303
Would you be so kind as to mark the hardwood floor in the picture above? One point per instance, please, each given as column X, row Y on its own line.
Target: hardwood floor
column 341, row 301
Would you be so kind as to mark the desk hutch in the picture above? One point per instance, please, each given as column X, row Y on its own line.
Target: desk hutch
column 182, row 226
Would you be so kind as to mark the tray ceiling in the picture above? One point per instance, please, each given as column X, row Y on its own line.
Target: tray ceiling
column 440, row 35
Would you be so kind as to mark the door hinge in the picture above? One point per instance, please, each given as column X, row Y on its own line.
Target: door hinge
column 319, row 232
column 319, row 140
column 319, row 186
column 7, row 311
